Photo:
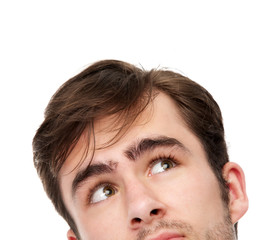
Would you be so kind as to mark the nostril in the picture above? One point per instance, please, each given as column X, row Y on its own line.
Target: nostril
column 136, row 220
column 154, row 212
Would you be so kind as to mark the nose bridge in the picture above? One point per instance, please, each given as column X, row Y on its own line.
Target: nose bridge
column 138, row 193
column 142, row 203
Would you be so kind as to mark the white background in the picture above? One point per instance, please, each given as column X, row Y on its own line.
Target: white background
column 230, row 47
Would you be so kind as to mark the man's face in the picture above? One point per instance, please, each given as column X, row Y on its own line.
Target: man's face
column 154, row 183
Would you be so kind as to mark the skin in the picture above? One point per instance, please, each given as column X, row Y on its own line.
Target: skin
column 145, row 200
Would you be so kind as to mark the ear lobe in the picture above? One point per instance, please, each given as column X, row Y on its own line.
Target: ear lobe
column 71, row 235
column 235, row 178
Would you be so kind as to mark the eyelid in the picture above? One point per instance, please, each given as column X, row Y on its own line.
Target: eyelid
column 163, row 157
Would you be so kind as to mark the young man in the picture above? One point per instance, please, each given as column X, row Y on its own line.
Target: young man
column 125, row 153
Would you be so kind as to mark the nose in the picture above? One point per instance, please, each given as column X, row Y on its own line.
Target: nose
column 143, row 205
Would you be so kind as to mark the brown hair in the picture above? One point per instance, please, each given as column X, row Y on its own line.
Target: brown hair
column 114, row 87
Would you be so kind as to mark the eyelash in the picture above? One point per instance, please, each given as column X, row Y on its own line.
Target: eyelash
column 151, row 163
column 163, row 157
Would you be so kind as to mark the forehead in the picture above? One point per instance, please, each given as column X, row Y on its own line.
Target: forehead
column 161, row 117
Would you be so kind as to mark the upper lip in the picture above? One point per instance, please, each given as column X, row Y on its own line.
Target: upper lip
column 166, row 236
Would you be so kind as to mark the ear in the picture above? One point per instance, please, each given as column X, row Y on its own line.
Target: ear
column 71, row 235
column 235, row 178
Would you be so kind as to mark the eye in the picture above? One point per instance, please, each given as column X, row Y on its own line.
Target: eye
column 162, row 165
column 102, row 192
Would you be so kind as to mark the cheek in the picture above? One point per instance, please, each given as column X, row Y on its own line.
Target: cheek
column 194, row 197
column 94, row 225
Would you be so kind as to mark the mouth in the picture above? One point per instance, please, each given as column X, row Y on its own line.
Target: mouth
column 169, row 236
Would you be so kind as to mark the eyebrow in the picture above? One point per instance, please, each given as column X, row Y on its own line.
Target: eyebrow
column 133, row 152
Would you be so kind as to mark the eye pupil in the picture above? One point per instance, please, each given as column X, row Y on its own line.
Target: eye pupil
column 166, row 164
column 108, row 191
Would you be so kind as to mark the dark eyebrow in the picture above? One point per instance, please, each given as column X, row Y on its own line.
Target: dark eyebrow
column 149, row 144
column 92, row 170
